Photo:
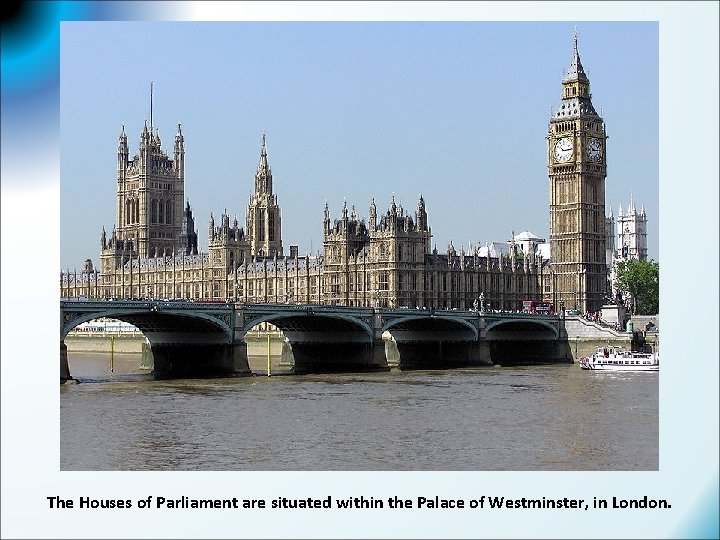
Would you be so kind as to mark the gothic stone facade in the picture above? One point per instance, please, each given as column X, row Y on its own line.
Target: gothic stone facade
column 385, row 261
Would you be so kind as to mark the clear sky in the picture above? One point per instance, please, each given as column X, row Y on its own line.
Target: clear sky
column 455, row 111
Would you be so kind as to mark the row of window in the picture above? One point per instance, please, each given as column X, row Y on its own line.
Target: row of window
column 161, row 185
column 216, row 291
column 260, row 228
column 161, row 212
column 446, row 282
column 132, row 211
column 571, row 91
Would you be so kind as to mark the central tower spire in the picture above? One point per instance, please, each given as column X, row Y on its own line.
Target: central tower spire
column 151, row 106
column 263, row 215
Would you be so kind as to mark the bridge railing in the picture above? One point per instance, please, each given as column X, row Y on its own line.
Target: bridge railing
column 145, row 304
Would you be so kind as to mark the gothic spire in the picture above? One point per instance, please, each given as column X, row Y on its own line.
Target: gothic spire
column 575, row 72
column 151, row 105
column 122, row 141
column 576, row 99
column 421, row 215
column 372, row 215
column 263, row 176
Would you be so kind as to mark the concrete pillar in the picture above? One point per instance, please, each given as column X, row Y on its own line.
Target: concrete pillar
column 379, row 356
column 287, row 360
column 199, row 359
column 147, row 361
column 64, row 368
column 484, row 352
column 240, row 358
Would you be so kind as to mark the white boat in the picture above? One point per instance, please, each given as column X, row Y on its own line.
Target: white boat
column 611, row 358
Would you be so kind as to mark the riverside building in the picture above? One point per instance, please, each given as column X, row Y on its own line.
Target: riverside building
column 385, row 260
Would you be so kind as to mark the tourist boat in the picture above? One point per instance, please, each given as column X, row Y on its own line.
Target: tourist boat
column 611, row 358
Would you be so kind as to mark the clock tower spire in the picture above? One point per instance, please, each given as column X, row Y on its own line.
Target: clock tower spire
column 577, row 169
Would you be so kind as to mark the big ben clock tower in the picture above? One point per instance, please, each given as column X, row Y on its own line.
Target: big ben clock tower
column 577, row 169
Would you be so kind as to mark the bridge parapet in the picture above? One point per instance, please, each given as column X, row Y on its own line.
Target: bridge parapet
column 387, row 318
column 497, row 320
column 76, row 312
column 250, row 315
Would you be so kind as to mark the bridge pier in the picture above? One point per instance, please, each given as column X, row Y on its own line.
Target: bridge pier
column 200, row 359
column 384, row 354
column 337, row 356
column 530, row 352
column 483, row 353
column 64, row 368
column 440, row 354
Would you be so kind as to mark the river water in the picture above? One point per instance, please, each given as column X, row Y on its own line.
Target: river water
column 549, row 417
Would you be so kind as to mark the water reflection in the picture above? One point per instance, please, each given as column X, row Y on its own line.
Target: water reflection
column 555, row 417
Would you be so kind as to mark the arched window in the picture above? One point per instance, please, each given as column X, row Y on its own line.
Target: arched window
column 153, row 211
column 168, row 212
column 261, row 227
column 161, row 212
column 383, row 281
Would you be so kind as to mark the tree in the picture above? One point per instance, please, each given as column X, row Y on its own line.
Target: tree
column 641, row 279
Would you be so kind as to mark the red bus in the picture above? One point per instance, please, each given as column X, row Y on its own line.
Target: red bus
column 535, row 306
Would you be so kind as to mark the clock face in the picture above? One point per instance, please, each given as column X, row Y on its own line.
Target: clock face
column 563, row 150
column 594, row 150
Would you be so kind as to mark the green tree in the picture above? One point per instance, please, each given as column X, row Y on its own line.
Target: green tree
column 642, row 280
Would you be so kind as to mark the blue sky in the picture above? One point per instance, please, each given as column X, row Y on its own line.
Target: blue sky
column 455, row 111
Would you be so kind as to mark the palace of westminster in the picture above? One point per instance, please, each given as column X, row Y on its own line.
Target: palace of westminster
column 385, row 261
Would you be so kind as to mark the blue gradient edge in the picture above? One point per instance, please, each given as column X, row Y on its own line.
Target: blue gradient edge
column 703, row 521
column 30, row 71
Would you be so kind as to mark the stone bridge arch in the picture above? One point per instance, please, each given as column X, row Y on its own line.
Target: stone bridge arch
column 184, row 337
column 525, row 339
column 319, row 338
column 148, row 322
column 428, row 339
column 521, row 326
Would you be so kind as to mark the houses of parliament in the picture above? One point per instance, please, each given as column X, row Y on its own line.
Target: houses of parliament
column 385, row 260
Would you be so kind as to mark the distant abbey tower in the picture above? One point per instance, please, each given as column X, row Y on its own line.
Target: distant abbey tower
column 632, row 234
column 577, row 169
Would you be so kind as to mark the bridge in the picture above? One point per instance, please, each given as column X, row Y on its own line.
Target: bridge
column 195, row 337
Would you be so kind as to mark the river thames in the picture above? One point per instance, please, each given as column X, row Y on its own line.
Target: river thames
column 547, row 417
